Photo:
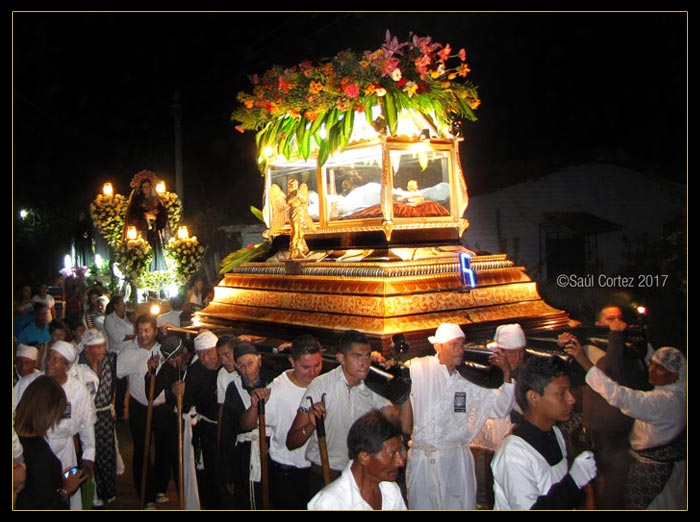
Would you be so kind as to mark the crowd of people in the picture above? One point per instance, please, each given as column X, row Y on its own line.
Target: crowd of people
column 305, row 438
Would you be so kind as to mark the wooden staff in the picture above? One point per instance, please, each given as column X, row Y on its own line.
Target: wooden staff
column 180, row 455
column 147, row 439
column 590, row 496
column 264, row 476
column 322, row 447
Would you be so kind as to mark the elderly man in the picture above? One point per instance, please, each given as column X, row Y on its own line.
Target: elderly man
column 656, row 478
column 97, row 369
column 239, row 446
column 368, row 480
column 26, row 360
column 448, row 411
column 340, row 397
column 79, row 418
column 530, row 468
column 509, row 340
column 199, row 391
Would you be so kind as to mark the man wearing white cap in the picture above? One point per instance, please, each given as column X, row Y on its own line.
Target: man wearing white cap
column 26, row 360
column 199, row 391
column 657, row 475
column 448, row 411
column 97, row 369
column 79, row 417
column 509, row 340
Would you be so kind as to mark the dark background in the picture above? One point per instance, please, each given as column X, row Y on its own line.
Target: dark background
column 92, row 102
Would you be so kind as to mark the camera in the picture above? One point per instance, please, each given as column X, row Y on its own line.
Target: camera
column 70, row 472
column 400, row 343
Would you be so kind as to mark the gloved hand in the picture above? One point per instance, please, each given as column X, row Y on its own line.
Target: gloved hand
column 583, row 469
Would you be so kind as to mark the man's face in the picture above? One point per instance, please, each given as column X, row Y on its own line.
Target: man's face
column 209, row 358
column 557, row 401
column 25, row 365
column 515, row 357
column 146, row 335
column 248, row 366
column 307, row 368
column 56, row 365
column 608, row 315
column 660, row 376
column 356, row 361
column 385, row 464
column 96, row 352
column 451, row 353
column 226, row 356
column 58, row 335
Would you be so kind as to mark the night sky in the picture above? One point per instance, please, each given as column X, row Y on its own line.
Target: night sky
column 93, row 97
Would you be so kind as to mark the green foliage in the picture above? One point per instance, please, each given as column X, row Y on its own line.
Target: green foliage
column 290, row 106
column 244, row 255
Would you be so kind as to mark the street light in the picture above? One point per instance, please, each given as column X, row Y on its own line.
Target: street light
column 23, row 213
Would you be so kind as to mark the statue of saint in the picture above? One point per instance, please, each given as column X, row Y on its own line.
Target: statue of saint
column 146, row 212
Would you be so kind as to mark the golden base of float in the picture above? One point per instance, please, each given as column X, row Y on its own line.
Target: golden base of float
column 381, row 293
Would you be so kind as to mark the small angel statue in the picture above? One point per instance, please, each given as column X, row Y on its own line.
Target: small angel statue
column 293, row 207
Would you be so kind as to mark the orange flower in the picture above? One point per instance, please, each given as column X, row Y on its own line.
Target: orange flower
column 315, row 87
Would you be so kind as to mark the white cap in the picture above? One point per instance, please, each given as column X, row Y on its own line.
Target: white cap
column 205, row 340
column 29, row 352
column 65, row 349
column 92, row 337
column 446, row 332
column 510, row 337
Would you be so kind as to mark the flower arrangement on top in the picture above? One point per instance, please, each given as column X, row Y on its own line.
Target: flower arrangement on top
column 293, row 108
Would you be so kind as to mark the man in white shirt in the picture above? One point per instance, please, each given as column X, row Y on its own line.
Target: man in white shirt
column 171, row 318
column 120, row 337
column 26, row 360
column 340, row 397
column 448, row 411
column 530, row 469
column 289, row 470
column 133, row 364
column 509, row 339
column 657, row 475
column 368, row 480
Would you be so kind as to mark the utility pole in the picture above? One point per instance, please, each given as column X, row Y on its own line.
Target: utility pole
column 177, row 129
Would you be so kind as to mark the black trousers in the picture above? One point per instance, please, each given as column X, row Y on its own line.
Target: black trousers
column 163, row 447
column 209, row 485
column 289, row 486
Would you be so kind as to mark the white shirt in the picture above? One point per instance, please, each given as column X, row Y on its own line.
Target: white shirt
column 344, row 405
column 117, row 328
column 223, row 379
column 133, row 363
column 344, row 493
column 521, row 473
column 172, row 317
column 448, row 412
column 49, row 301
column 659, row 414
column 280, row 411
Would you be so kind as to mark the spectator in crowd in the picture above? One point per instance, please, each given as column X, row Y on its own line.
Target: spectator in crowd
column 40, row 409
